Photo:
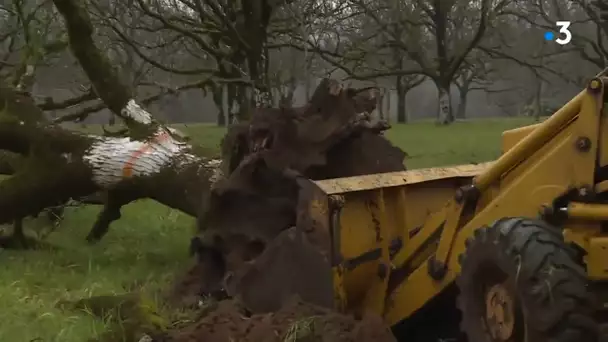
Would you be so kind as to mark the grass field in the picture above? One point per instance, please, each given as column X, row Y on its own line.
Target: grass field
column 149, row 244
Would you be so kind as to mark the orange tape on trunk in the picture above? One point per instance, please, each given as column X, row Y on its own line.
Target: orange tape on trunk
column 127, row 170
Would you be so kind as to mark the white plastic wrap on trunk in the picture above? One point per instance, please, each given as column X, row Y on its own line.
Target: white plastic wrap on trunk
column 135, row 112
column 115, row 159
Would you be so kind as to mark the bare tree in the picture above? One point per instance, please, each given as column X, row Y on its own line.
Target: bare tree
column 30, row 38
column 440, row 36
column 474, row 75
column 428, row 38
column 228, row 39
column 521, row 38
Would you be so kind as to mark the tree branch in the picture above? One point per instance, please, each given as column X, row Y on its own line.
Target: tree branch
column 49, row 104
column 107, row 83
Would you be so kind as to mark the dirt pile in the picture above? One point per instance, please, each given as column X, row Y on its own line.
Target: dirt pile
column 297, row 321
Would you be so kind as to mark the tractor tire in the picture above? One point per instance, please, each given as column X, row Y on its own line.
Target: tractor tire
column 521, row 282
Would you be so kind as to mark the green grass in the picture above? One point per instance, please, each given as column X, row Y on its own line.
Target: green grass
column 429, row 145
column 149, row 244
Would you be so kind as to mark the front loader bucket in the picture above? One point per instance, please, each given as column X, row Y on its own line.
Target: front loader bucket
column 339, row 254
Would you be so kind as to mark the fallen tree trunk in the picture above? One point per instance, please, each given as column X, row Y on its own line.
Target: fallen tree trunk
column 59, row 165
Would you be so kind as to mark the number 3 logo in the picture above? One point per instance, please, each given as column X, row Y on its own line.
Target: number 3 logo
column 563, row 29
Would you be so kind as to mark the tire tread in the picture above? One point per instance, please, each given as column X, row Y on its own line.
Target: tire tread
column 559, row 283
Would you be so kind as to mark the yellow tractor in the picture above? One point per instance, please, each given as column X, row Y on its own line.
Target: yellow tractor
column 519, row 245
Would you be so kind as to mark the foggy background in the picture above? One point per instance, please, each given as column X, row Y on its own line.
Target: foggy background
column 491, row 54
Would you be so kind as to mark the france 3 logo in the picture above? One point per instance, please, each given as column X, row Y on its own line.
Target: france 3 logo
column 563, row 36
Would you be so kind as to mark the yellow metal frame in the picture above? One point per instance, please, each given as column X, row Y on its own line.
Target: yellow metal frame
column 539, row 168
column 396, row 237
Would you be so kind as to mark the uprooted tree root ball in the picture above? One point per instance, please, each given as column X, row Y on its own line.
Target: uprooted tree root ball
column 250, row 238
column 296, row 321
column 268, row 162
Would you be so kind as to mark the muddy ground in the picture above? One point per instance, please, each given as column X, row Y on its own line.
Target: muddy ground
column 297, row 321
column 249, row 245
